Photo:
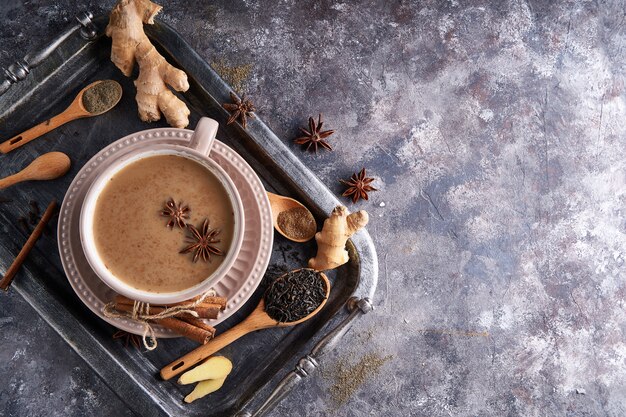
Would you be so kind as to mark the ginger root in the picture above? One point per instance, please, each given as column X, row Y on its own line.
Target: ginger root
column 130, row 44
column 331, row 241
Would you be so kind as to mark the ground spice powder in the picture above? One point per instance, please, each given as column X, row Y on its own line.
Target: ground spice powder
column 297, row 223
column 102, row 96
column 235, row 76
column 349, row 377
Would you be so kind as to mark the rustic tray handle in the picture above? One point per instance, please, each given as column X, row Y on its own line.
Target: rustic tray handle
column 309, row 363
column 20, row 69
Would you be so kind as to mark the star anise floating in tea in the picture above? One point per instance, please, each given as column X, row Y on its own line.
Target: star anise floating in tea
column 177, row 213
column 315, row 137
column 358, row 186
column 239, row 109
column 201, row 242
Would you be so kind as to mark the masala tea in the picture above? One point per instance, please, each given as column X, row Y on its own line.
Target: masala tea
column 163, row 223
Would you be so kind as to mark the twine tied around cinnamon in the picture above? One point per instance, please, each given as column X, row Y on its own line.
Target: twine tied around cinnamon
column 141, row 313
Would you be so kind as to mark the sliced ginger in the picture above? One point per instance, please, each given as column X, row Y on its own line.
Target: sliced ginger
column 211, row 374
column 216, row 367
column 204, row 388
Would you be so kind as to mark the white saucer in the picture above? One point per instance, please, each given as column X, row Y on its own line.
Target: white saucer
column 238, row 284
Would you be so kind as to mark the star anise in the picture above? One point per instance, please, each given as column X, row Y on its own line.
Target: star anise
column 358, row 186
column 315, row 136
column 128, row 338
column 201, row 241
column 239, row 109
column 177, row 213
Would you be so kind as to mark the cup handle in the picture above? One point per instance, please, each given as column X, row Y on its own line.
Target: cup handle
column 204, row 135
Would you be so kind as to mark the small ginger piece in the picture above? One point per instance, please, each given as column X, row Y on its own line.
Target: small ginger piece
column 215, row 367
column 129, row 45
column 204, row 388
column 331, row 240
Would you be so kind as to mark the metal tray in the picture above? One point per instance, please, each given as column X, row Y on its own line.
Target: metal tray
column 267, row 363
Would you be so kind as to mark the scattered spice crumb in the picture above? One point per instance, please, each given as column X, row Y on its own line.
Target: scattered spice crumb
column 273, row 271
column 23, row 222
column 367, row 335
column 235, row 76
column 33, row 218
column 34, row 207
column 349, row 377
column 297, row 223
column 458, row 333
column 382, row 204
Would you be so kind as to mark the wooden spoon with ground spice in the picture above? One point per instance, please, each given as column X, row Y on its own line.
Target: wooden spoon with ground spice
column 93, row 100
column 291, row 219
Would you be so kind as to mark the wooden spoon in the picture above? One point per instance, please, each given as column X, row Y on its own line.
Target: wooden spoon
column 76, row 110
column 257, row 320
column 279, row 204
column 46, row 167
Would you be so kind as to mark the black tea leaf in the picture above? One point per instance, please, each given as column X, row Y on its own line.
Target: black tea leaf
column 295, row 295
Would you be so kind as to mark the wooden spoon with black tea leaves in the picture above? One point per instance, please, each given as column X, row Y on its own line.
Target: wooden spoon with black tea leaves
column 93, row 100
column 257, row 320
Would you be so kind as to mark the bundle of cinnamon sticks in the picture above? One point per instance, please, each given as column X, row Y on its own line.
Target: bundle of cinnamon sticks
column 185, row 324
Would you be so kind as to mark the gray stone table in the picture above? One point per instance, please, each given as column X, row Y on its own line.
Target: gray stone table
column 496, row 132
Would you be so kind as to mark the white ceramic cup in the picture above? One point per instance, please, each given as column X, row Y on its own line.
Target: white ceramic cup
column 198, row 151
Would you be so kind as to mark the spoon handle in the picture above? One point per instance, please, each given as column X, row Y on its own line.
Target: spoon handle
column 274, row 198
column 40, row 129
column 204, row 351
column 10, row 180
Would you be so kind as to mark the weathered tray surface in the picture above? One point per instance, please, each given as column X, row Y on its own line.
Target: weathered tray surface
column 262, row 359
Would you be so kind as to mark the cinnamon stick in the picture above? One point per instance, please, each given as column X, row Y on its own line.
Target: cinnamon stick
column 197, row 322
column 186, row 330
column 209, row 311
column 189, row 326
column 6, row 281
